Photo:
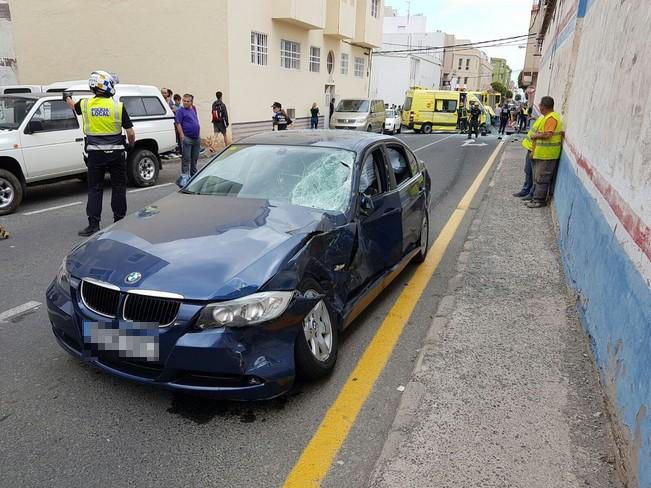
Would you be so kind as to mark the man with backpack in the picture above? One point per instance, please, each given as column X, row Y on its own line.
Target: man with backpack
column 220, row 116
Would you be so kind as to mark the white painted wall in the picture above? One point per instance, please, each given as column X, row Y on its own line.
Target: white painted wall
column 394, row 74
column 8, row 74
column 601, row 86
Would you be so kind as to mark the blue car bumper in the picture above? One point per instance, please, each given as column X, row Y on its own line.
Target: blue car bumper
column 248, row 363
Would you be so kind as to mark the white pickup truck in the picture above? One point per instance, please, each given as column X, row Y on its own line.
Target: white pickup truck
column 41, row 138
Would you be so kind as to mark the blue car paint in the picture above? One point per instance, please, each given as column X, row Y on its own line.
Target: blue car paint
column 210, row 248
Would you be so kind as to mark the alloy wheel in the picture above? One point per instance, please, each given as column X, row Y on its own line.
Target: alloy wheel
column 317, row 328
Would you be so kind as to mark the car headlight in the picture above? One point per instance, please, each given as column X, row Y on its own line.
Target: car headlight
column 249, row 310
column 63, row 277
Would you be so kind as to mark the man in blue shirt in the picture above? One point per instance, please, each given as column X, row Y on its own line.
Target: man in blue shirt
column 187, row 126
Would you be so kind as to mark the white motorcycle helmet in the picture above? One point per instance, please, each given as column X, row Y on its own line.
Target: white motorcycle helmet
column 101, row 83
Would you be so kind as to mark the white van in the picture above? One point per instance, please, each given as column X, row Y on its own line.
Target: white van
column 359, row 114
column 41, row 138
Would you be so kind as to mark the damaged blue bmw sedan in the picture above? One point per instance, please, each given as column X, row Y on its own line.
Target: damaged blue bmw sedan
column 246, row 277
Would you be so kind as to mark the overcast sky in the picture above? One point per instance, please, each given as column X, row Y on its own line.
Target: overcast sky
column 477, row 20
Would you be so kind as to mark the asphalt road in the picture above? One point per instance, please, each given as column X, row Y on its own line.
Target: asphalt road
column 64, row 424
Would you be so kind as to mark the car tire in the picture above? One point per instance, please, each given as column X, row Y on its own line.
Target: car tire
column 369, row 128
column 400, row 130
column 426, row 129
column 11, row 192
column 423, row 243
column 319, row 321
column 142, row 168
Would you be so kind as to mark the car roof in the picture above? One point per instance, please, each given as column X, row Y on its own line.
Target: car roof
column 33, row 96
column 340, row 139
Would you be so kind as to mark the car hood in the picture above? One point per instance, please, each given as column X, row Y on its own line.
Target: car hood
column 202, row 247
column 7, row 139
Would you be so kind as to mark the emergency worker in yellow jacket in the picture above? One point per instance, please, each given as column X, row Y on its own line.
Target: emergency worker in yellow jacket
column 103, row 120
column 544, row 140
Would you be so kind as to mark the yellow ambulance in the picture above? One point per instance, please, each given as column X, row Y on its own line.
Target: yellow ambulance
column 427, row 110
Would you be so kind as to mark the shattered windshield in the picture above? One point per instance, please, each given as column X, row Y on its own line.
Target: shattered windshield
column 307, row 176
column 13, row 111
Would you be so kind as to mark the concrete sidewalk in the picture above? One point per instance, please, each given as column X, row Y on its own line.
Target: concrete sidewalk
column 504, row 393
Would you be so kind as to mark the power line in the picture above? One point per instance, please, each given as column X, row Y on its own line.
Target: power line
column 477, row 45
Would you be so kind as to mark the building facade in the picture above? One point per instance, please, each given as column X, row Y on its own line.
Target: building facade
column 465, row 66
column 256, row 52
column 7, row 52
column 529, row 75
column 501, row 71
column 593, row 60
column 395, row 68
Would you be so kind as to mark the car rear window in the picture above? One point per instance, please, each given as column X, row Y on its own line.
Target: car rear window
column 407, row 106
column 143, row 106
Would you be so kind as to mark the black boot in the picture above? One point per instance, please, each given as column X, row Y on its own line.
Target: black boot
column 90, row 230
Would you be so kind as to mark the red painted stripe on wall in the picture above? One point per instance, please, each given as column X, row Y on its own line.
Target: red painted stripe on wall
column 636, row 228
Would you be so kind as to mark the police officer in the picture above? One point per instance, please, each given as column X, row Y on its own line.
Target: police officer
column 280, row 118
column 475, row 113
column 462, row 117
column 103, row 121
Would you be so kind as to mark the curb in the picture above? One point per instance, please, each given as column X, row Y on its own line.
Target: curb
column 414, row 390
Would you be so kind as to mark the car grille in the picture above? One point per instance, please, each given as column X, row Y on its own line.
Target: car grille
column 144, row 308
column 100, row 299
column 104, row 299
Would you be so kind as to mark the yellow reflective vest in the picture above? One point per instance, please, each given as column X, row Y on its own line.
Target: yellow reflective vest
column 101, row 116
column 549, row 149
column 527, row 142
column 102, row 120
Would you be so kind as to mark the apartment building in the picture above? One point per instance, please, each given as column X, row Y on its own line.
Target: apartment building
column 529, row 75
column 501, row 71
column 256, row 52
column 465, row 66
column 404, row 59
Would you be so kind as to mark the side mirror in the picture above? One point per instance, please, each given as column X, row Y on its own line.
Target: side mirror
column 365, row 203
column 34, row 126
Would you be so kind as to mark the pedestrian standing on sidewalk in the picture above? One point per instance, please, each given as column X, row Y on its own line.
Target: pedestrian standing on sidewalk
column 280, row 118
column 547, row 139
column 504, row 119
column 332, row 110
column 220, row 117
column 314, row 116
column 167, row 95
column 187, row 125
column 103, row 120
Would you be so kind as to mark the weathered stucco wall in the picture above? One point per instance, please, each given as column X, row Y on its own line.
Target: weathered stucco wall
column 595, row 64
column 7, row 53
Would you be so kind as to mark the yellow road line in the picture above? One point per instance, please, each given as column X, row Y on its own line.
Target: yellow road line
column 316, row 459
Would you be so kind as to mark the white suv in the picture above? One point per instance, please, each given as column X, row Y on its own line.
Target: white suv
column 41, row 138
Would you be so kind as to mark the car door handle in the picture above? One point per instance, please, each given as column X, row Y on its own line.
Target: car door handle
column 79, row 139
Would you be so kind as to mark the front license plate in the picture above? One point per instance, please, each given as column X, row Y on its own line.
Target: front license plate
column 136, row 343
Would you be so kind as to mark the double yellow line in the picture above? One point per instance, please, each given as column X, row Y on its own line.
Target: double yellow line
column 316, row 459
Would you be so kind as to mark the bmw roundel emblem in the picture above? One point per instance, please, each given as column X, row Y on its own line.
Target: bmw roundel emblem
column 133, row 277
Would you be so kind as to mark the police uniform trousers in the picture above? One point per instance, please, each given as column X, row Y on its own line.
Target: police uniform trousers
column 99, row 162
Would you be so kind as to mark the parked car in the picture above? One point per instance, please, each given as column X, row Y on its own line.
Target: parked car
column 41, row 138
column 247, row 276
column 392, row 122
column 359, row 114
